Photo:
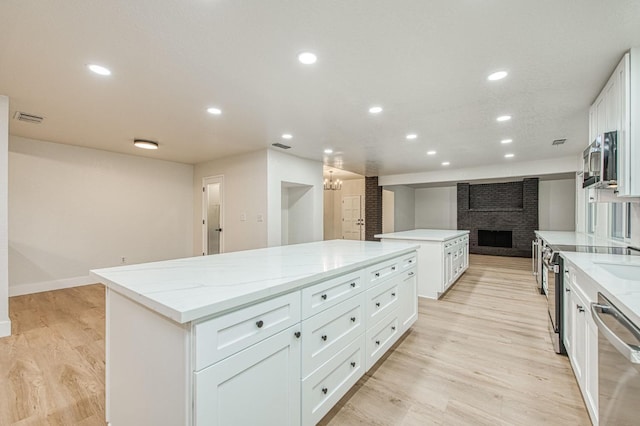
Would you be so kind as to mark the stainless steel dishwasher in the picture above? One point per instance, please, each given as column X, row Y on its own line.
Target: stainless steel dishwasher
column 618, row 365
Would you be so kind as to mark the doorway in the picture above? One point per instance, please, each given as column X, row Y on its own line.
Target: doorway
column 352, row 219
column 212, row 215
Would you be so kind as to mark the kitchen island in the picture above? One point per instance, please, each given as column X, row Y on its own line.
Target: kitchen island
column 273, row 336
column 442, row 258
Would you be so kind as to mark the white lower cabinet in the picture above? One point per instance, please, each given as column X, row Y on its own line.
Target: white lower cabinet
column 324, row 388
column 257, row 386
column 408, row 300
column 381, row 337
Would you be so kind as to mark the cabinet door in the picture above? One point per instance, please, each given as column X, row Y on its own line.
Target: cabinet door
column 579, row 332
column 257, row 386
column 601, row 111
column 408, row 300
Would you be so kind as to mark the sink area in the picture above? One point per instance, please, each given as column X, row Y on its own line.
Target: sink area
column 625, row 272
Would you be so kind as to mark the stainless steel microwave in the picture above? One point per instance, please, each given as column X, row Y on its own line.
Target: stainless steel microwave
column 600, row 169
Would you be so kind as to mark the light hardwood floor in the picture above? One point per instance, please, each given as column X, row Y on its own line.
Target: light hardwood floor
column 480, row 355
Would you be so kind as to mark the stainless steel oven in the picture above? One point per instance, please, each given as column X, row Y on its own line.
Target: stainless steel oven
column 618, row 365
column 553, row 283
column 600, row 169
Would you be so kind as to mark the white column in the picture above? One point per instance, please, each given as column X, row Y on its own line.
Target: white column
column 5, row 324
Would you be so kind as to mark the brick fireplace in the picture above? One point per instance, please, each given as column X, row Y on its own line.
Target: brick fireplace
column 501, row 217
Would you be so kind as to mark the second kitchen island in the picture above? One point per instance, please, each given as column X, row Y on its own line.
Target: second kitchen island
column 273, row 336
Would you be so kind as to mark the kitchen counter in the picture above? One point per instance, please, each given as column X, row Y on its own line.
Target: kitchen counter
column 567, row 238
column 424, row 235
column 188, row 289
column 624, row 293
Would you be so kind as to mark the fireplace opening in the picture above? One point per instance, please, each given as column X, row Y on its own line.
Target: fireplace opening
column 495, row 238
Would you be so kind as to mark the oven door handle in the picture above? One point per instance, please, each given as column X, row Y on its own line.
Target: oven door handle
column 629, row 352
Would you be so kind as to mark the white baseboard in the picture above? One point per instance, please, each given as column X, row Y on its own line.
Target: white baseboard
column 5, row 328
column 39, row 287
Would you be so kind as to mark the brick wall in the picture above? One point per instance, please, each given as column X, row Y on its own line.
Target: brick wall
column 372, row 208
column 511, row 206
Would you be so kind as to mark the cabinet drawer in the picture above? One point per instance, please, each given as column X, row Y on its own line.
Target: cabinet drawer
column 409, row 261
column 384, row 270
column 225, row 335
column 324, row 388
column 382, row 299
column 329, row 293
column 381, row 337
column 327, row 333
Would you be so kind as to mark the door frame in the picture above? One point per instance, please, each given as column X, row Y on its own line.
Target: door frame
column 205, row 201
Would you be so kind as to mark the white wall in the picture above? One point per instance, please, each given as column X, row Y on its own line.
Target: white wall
column 437, row 208
column 5, row 324
column 333, row 207
column 244, row 196
column 388, row 206
column 297, row 171
column 556, row 205
column 404, row 211
column 297, row 206
column 73, row 209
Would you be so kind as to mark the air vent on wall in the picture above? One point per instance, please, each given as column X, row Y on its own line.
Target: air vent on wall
column 29, row 118
column 280, row 145
column 558, row 142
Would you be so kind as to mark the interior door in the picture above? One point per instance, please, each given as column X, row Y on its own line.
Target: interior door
column 212, row 215
column 352, row 220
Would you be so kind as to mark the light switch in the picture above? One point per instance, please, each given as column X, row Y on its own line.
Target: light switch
column 260, row 218
column 243, row 217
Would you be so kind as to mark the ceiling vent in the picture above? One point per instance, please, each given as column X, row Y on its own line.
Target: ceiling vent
column 29, row 118
column 280, row 145
column 558, row 142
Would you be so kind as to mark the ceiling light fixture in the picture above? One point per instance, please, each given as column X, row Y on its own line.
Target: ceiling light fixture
column 504, row 118
column 307, row 58
column 498, row 75
column 145, row 144
column 214, row 111
column 287, row 136
column 412, row 136
column 431, row 153
column 508, row 156
column 375, row 109
column 330, row 185
column 445, row 163
column 328, row 151
column 506, row 141
column 98, row 69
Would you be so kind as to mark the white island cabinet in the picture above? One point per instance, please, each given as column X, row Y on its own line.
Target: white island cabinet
column 262, row 337
column 442, row 257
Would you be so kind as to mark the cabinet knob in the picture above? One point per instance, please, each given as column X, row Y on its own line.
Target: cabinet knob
column 410, row 273
column 393, row 294
column 377, row 304
column 324, row 297
column 353, row 285
column 353, row 319
column 325, row 390
column 393, row 268
column 580, row 308
column 567, row 290
column 393, row 327
column 353, row 364
column 259, row 324
column 297, row 334
column 377, row 274
column 411, row 261
column 378, row 342
column 324, row 337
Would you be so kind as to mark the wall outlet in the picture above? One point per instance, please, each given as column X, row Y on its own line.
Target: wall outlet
column 243, row 217
column 124, row 260
column 260, row 218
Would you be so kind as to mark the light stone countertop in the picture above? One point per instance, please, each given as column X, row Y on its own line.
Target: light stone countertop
column 193, row 288
column 424, row 234
column 570, row 238
column 624, row 293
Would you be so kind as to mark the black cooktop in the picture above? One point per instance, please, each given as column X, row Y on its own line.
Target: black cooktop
column 596, row 249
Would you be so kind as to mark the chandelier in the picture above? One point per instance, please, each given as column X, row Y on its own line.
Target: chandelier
column 330, row 185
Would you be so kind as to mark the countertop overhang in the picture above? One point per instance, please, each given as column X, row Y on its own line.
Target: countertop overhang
column 424, row 235
column 192, row 288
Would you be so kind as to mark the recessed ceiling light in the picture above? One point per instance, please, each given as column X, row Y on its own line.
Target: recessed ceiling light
column 375, row 109
column 287, row 136
column 328, row 151
column 499, row 75
column 99, row 69
column 145, row 144
column 508, row 156
column 504, row 118
column 214, row 111
column 431, row 153
column 445, row 163
column 307, row 58
column 506, row 141
column 412, row 136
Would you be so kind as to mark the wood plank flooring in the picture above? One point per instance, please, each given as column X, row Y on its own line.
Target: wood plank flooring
column 480, row 355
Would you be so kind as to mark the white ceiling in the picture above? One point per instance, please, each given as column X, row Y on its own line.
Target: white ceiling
column 425, row 62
